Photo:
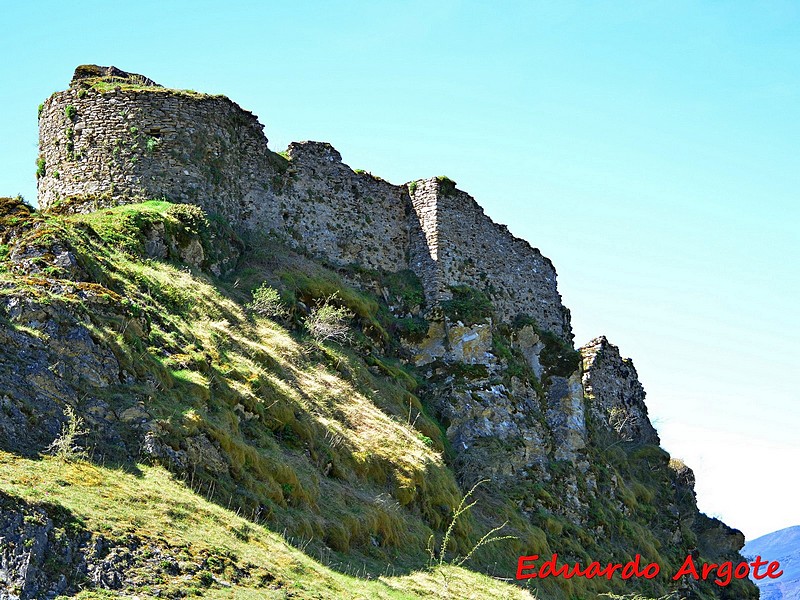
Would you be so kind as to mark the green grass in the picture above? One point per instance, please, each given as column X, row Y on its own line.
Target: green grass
column 446, row 185
column 335, row 445
column 313, row 410
column 166, row 513
column 109, row 84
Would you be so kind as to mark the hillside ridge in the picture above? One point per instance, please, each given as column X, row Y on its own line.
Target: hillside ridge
column 316, row 351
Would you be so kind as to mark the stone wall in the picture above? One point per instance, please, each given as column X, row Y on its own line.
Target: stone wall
column 121, row 146
column 124, row 145
column 335, row 213
column 471, row 249
column 424, row 240
column 101, row 146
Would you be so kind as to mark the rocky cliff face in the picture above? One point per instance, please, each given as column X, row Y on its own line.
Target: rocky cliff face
column 138, row 322
column 614, row 393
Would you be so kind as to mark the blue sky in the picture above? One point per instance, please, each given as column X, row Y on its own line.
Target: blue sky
column 650, row 149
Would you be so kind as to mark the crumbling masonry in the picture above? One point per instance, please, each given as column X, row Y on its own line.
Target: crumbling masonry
column 137, row 141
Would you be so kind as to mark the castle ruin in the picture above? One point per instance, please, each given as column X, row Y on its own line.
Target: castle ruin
column 130, row 140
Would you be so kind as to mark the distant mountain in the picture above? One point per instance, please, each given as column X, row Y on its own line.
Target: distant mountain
column 783, row 546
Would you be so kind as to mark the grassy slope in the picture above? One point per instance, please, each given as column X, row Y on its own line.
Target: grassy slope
column 329, row 445
column 162, row 510
column 335, row 454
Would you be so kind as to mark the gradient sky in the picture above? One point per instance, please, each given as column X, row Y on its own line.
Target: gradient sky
column 650, row 149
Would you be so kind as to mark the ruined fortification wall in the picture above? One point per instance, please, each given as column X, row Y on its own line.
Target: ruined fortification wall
column 471, row 249
column 144, row 144
column 424, row 240
column 134, row 142
column 335, row 213
column 129, row 145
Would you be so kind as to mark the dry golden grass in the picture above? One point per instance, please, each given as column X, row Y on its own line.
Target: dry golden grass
column 165, row 512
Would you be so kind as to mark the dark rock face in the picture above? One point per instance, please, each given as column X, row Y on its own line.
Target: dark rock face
column 30, row 535
column 49, row 357
column 45, row 552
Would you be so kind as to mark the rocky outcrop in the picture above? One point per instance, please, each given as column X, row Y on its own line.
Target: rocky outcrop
column 50, row 357
column 91, row 320
column 110, row 74
column 30, row 535
column 616, row 396
column 46, row 552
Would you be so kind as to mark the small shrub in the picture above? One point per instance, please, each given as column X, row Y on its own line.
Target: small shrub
column 413, row 329
column 70, row 111
column 406, row 286
column 41, row 110
column 424, row 439
column 151, row 144
column 412, row 187
column 82, row 93
column 467, row 305
column 329, row 322
column 41, row 167
column 191, row 216
column 446, row 185
column 267, row 302
column 65, row 447
column 559, row 357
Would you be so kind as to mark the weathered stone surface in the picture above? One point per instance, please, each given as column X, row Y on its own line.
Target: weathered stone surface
column 566, row 416
column 496, row 432
column 617, row 397
column 457, row 342
column 192, row 252
column 155, row 243
column 49, row 358
column 29, row 537
column 84, row 72
column 466, row 247
column 106, row 148
column 154, row 448
column 203, row 454
column 45, row 552
column 527, row 341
